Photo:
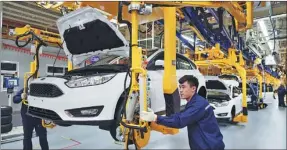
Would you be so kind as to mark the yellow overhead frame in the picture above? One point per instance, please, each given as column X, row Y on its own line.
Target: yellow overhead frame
column 216, row 57
column 243, row 20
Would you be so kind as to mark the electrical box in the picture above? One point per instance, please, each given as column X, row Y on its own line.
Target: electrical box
column 11, row 83
column 9, row 72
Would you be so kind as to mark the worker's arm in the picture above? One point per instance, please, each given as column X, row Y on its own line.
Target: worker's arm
column 180, row 120
column 17, row 98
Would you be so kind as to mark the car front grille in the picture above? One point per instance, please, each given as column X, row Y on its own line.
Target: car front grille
column 44, row 113
column 45, row 90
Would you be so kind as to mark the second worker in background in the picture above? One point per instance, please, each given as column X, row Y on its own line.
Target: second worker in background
column 29, row 124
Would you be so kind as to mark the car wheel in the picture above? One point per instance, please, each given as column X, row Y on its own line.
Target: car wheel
column 6, row 128
column 232, row 116
column 6, row 110
column 115, row 127
column 6, row 119
column 115, row 130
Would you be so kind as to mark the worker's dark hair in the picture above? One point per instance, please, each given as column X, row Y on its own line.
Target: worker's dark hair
column 190, row 79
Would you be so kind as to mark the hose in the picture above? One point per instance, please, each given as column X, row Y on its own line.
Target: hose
column 57, row 55
column 23, row 35
column 120, row 20
column 36, row 56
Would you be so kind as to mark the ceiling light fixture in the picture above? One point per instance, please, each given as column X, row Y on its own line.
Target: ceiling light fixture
column 265, row 33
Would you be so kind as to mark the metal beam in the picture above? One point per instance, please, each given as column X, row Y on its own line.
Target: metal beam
column 27, row 22
column 30, row 9
column 29, row 14
column 179, row 36
column 213, row 12
column 9, row 14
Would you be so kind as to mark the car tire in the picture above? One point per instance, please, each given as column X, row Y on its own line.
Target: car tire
column 232, row 116
column 6, row 128
column 6, row 110
column 115, row 125
column 6, row 119
column 116, row 122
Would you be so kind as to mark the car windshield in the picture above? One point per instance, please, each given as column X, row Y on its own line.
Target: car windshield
column 108, row 59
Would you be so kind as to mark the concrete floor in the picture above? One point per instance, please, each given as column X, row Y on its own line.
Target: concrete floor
column 266, row 129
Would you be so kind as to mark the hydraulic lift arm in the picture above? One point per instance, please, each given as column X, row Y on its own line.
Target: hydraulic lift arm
column 39, row 38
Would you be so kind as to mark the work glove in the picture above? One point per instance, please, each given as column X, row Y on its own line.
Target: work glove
column 148, row 115
column 24, row 96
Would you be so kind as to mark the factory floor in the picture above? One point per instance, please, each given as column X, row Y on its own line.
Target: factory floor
column 266, row 129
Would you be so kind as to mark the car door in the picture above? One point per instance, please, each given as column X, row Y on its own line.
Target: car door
column 237, row 99
column 183, row 67
column 156, row 83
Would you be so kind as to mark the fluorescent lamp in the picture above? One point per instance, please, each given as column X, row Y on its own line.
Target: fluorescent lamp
column 187, row 38
column 265, row 33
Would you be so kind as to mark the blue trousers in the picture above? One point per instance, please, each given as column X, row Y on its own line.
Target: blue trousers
column 29, row 124
column 281, row 100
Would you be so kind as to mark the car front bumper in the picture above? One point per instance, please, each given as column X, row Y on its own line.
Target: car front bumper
column 96, row 101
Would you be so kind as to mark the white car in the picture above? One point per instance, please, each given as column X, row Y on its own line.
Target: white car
column 94, row 94
column 224, row 96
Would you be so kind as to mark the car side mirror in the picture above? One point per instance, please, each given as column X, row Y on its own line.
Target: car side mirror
column 235, row 94
column 159, row 64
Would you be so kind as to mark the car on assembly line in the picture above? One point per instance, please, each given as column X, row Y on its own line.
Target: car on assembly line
column 94, row 94
column 224, row 96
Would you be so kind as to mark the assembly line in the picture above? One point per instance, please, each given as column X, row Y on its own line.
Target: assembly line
column 209, row 91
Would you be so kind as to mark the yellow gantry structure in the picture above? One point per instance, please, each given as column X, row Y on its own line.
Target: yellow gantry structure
column 230, row 64
column 243, row 20
column 251, row 73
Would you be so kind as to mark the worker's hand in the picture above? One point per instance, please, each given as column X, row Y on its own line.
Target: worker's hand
column 148, row 115
column 24, row 96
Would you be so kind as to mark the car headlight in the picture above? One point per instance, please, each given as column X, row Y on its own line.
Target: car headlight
column 222, row 104
column 89, row 81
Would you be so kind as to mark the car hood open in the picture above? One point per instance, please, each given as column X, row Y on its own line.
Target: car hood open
column 217, row 86
column 87, row 32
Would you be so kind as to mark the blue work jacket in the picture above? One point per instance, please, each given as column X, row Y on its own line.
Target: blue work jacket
column 281, row 91
column 202, row 126
column 17, row 99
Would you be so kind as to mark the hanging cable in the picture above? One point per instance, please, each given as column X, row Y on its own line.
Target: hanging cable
column 60, row 48
column 36, row 56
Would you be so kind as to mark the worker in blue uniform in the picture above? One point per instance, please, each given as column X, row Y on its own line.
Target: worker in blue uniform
column 281, row 94
column 29, row 124
column 198, row 116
